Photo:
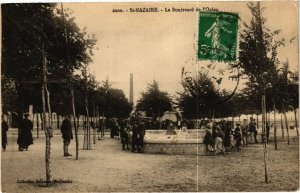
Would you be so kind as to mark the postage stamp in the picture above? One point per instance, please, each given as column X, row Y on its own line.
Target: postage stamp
column 217, row 36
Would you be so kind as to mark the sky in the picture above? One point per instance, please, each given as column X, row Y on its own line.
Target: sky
column 157, row 45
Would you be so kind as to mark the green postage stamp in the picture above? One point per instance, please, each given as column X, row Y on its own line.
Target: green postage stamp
column 217, row 39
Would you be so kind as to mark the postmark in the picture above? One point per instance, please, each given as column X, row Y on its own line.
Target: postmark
column 217, row 36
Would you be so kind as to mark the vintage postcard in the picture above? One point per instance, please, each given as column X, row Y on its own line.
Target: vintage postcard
column 196, row 96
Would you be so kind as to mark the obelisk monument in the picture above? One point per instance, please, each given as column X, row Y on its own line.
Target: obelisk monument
column 131, row 89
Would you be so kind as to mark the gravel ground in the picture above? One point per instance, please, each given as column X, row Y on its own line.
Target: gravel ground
column 106, row 168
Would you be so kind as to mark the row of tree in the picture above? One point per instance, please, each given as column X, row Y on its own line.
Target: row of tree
column 22, row 71
column 259, row 66
column 33, row 29
column 43, row 53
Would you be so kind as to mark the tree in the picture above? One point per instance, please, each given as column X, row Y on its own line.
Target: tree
column 111, row 102
column 199, row 98
column 294, row 96
column 154, row 101
column 258, row 57
column 116, row 104
column 235, row 106
column 287, row 95
column 9, row 95
column 26, row 27
column 33, row 38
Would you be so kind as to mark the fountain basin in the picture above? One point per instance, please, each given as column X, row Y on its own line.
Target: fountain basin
column 184, row 142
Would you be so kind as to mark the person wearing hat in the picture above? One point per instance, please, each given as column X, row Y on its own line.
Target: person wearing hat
column 244, row 129
column 141, row 131
column 237, row 128
column 238, row 137
column 67, row 135
column 24, row 133
column 252, row 129
column 4, row 129
column 134, row 137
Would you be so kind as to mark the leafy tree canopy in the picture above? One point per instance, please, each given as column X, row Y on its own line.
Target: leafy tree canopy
column 28, row 31
column 154, row 101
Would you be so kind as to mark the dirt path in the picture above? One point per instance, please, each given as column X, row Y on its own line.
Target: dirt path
column 107, row 168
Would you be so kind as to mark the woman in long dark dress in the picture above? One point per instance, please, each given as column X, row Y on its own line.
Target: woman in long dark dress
column 24, row 135
column 4, row 129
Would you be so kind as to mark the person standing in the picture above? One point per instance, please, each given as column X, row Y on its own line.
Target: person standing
column 134, row 137
column 227, row 136
column 252, row 129
column 124, row 135
column 4, row 129
column 141, row 134
column 24, row 133
column 244, row 129
column 67, row 135
column 208, row 140
column 237, row 137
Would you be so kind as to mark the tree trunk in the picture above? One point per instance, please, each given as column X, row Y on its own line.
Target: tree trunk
column 257, row 124
column 94, row 126
column 78, row 121
column 74, row 120
column 264, row 139
column 37, row 125
column 266, row 117
column 42, row 119
column 296, row 121
column 47, row 155
column 87, row 142
column 275, row 127
column 49, row 107
column 103, row 125
column 281, row 124
column 46, row 129
column 286, row 124
column 84, row 133
column 57, row 121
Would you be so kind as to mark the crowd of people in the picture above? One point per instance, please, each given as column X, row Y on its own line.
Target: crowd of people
column 130, row 131
column 25, row 138
column 219, row 135
column 224, row 136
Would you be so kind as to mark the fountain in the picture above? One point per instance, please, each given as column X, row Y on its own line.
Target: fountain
column 183, row 141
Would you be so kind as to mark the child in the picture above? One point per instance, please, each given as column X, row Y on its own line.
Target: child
column 208, row 141
column 238, row 137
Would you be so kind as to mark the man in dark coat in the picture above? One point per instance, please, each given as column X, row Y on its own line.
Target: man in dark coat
column 4, row 129
column 252, row 129
column 124, row 135
column 140, row 136
column 24, row 133
column 67, row 135
column 134, row 137
column 137, row 138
